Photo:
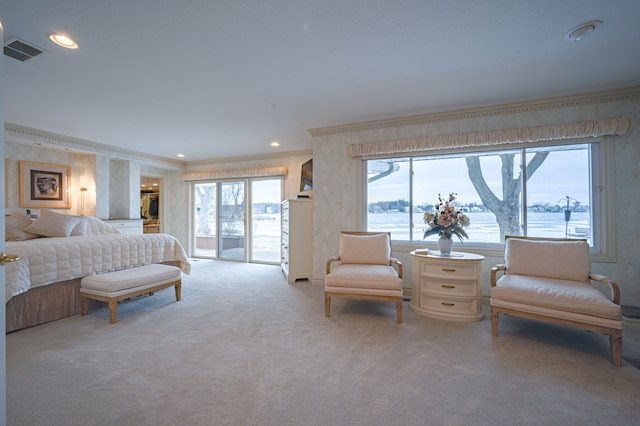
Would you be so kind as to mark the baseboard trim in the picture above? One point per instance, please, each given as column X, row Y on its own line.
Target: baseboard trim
column 630, row 324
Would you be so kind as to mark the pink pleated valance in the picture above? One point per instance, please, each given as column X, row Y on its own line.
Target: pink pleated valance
column 564, row 131
column 236, row 173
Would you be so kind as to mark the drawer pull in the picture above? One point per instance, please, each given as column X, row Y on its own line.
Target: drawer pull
column 448, row 286
column 448, row 304
column 448, row 269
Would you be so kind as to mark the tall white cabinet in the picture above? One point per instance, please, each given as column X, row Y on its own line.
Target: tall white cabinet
column 297, row 239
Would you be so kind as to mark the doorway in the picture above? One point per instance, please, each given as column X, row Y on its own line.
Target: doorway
column 150, row 188
column 237, row 220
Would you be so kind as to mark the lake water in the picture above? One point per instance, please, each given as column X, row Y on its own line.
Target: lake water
column 483, row 227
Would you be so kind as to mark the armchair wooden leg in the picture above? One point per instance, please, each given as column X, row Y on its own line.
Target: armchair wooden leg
column 399, row 310
column 327, row 305
column 494, row 323
column 615, row 340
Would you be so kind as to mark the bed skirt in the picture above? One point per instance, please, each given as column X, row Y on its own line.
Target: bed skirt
column 48, row 303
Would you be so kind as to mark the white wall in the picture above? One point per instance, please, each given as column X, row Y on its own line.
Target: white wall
column 102, row 186
column 338, row 181
column 124, row 189
column 83, row 174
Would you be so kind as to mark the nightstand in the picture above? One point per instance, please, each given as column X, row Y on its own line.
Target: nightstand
column 447, row 287
column 126, row 226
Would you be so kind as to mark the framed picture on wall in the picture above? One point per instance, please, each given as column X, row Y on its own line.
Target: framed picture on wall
column 44, row 186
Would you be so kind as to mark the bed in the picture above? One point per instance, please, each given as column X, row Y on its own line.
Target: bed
column 44, row 284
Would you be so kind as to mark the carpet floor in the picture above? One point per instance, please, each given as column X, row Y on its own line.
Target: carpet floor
column 243, row 347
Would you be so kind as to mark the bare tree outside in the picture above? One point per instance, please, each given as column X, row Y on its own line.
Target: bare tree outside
column 506, row 208
column 233, row 208
column 205, row 199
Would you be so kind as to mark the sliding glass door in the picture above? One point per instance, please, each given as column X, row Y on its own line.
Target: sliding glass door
column 265, row 220
column 232, row 220
column 237, row 220
column 205, row 222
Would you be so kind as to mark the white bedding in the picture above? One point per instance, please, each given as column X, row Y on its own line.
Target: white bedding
column 48, row 260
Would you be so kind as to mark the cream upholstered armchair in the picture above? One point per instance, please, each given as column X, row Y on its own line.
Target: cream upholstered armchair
column 550, row 280
column 364, row 269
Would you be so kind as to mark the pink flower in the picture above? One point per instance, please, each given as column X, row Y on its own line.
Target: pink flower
column 446, row 220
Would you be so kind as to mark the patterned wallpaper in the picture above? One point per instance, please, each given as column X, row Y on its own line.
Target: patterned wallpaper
column 83, row 174
column 338, row 181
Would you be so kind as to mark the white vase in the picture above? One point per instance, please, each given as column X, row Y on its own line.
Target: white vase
column 445, row 245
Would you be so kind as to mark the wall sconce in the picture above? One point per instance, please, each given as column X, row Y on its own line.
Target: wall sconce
column 83, row 190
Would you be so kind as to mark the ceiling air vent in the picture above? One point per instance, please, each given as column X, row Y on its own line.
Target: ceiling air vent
column 20, row 50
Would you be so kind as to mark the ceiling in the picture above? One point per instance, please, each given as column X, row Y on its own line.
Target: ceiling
column 218, row 79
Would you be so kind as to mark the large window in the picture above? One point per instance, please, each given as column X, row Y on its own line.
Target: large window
column 546, row 191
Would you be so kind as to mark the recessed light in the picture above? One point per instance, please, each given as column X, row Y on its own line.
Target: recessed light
column 63, row 40
column 581, row 31
column 180, row 155
column 275, row 143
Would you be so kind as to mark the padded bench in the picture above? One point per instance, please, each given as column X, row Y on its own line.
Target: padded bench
column 112, row 287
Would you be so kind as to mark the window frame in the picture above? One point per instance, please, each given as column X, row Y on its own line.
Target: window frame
column 602, row 195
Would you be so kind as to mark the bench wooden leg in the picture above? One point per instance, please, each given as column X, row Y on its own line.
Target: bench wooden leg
column 327, row 305
column 178, row 289
column 85, row 305
column 113, row 310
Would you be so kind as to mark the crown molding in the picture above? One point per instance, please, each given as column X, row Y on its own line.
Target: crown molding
column 27, row 135
column 511, row 108
column 251, row 158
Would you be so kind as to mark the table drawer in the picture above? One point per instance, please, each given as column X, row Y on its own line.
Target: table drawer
column 450, row 305
column 468, row 288
column 449, row 270
column 126, row 226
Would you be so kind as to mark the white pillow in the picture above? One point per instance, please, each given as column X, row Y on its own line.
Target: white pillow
column 14, row 226
column 563, row 260
column 52, row 224
column 97, row 227
column 81, row 228
column 367, row 249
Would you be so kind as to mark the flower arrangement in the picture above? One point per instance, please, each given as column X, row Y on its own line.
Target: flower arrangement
column 446, row 221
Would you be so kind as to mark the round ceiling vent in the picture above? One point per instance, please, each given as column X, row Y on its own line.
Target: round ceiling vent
column 582, row 31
